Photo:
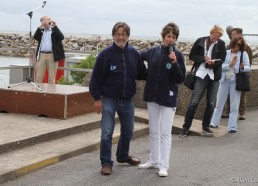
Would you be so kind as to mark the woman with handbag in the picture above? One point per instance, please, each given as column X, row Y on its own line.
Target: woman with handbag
column 237, row 61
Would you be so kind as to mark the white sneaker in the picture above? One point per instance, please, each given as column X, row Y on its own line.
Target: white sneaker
column 148, row 165
column 163, row 173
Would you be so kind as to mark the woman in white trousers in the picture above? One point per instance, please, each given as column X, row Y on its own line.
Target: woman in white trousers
column 160, row 127
column 166, row 69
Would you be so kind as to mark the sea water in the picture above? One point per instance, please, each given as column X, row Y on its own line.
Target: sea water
column 6, row 62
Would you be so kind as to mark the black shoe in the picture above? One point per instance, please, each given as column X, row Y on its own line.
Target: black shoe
column 232, row 131
column 207, row 132
column 183, row 133
column 211, row 126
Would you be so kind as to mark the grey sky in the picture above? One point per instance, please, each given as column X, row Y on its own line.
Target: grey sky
column 145, row 17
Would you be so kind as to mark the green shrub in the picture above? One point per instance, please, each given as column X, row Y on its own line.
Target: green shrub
column 87, row 63
column 64, row 81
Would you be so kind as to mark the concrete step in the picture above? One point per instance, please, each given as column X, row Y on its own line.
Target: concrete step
column 25, row 130
column 23, row 161
column 35, row 142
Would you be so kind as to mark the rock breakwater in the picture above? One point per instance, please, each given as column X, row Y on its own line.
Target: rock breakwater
column 21, row 43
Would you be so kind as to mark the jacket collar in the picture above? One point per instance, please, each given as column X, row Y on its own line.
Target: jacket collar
column 120, row 49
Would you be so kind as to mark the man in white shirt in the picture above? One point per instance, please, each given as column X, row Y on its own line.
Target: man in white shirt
column 208, row 54
column 50, row 49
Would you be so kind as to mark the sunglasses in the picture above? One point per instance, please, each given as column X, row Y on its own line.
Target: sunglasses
column 238, row 44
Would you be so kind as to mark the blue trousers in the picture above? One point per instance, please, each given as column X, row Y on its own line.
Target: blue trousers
column 125, row 110
column 227, row 87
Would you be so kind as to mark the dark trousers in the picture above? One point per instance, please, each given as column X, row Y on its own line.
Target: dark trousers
column 200, row 86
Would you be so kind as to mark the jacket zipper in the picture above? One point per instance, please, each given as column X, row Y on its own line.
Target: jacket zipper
column 124, row 65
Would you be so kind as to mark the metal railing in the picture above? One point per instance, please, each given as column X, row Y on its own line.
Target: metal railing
column 59, row 68
column 14, row 74
column 251, row 39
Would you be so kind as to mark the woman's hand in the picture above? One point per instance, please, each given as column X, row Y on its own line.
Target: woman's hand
column 233, row 62
column 172, row 57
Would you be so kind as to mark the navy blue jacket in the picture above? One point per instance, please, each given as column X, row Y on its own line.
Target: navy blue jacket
column 115, row 72
column 163, row 76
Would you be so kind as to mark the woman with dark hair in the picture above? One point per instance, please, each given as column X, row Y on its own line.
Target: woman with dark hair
column 166, row 69
column 227, row 85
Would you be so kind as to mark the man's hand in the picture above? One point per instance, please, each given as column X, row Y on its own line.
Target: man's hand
column 98, row 106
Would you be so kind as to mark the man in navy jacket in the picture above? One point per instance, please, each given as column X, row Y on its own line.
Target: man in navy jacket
column 112, row 86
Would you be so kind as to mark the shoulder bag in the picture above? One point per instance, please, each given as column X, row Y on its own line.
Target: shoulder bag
column 190, row 78
column 242, row 78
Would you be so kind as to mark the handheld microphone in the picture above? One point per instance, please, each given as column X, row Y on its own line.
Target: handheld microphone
column 171, row 48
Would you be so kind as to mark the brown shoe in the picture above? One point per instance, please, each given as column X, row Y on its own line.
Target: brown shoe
column 225, row 116
column 241, row 117
column 106, row 169
column 131, row 161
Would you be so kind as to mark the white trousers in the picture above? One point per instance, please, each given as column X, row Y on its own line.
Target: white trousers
column 160, row 127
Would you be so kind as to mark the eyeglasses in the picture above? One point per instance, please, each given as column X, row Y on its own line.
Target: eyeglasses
column 119, row 35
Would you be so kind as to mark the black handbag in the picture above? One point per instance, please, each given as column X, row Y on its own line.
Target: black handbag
column 242, row 79
column 190, row 78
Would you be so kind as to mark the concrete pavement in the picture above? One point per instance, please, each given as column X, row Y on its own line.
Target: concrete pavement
column 230, row 159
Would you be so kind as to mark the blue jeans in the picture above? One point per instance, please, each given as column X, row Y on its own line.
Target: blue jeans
column 200, row 86
column 125, row 112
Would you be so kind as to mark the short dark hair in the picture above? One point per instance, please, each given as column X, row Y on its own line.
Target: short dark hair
column 123, row 25
column 237, row 30
column 234, row 41
column 170, row 27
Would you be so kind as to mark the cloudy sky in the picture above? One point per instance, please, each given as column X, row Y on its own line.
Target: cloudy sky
column 145, row 17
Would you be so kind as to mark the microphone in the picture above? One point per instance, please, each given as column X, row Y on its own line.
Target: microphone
column 171, row 48
column 44, row 3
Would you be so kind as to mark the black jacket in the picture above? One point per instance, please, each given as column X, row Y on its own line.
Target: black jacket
column 163, row 76
column 57, row 46
column 218, row 52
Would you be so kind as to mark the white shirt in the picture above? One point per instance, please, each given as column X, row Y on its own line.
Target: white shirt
column 46, row 42
column 202, row 71
column 230, row 74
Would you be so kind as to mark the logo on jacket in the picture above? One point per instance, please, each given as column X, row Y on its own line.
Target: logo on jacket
column 112, row 67
column 168, row 65
column 171, row 93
